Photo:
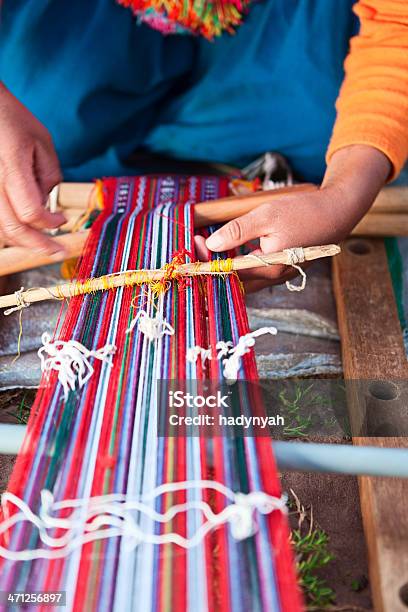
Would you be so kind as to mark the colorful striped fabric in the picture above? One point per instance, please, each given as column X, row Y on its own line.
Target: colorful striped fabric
column 103, row 438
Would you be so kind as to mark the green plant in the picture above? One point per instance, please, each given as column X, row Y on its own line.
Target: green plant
column 297, row 425
column 23, row 411
column 311, row 545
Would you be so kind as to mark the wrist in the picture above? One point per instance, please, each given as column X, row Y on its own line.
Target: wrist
column 358, row 173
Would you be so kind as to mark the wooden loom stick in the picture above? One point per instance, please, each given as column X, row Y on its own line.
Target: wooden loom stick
column 377, row 225
column 373, row 224
column 243, row 262
column 393, row 200
column 373, row 349
column 16, row 259
column 75, row 197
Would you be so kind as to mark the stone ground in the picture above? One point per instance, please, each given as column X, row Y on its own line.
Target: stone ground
column 306, row 346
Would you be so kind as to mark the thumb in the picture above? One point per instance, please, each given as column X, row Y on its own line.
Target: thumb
column 236, row 232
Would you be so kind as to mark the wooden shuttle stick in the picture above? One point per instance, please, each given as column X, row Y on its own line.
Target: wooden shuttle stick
column 134, row 277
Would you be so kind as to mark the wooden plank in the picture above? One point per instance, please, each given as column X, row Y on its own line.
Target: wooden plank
column 375, row 225
column 372, row 348
column 392, row 200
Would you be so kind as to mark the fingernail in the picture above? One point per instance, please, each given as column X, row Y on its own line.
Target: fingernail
column 214, row 242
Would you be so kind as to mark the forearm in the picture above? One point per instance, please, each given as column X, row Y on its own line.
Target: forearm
column 354, row 177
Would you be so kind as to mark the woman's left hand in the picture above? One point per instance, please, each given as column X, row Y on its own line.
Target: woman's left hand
column 353, row 179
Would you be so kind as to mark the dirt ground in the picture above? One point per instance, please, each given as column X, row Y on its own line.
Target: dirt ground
column 336, row 510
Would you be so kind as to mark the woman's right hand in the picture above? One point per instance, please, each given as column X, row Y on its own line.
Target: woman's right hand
column 29, row 169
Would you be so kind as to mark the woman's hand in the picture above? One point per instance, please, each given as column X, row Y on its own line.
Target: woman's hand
column 29, row 169
column 353, row 179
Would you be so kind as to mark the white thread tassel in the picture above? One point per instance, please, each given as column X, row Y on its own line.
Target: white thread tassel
column 195, row 352
column 113, row 515
column 230, row 354
column 152, row 327
column 71, row 360
column 233, row 361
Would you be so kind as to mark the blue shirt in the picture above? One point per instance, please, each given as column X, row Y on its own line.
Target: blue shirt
column 104, row 85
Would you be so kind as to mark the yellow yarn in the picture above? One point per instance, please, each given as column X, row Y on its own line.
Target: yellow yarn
column 221, row 266
column 171, row 272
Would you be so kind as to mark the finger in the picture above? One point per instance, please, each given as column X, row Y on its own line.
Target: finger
column 240, row 230
column 18, row 234
column 25, row 197
column 201, row 250
column 47, row 168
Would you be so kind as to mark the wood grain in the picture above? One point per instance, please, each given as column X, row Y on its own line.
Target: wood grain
column 375, row 224
column 373, row 349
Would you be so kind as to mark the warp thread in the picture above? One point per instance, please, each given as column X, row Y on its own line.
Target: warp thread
column 105, row 437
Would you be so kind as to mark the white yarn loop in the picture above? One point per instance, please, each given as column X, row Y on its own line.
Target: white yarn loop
column 296, row 256
column 223, row 348
column 193, row 353
column 233, row 361
column 231, row 355
column 152, row 327
column 71, row 360
column 20, row 300
column 114, row 515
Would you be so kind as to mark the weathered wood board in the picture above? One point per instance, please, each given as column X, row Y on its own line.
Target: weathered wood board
column 373, row 349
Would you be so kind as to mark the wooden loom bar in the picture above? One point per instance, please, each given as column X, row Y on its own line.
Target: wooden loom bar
column 392, row 203
column 17, row 259
column 373, row 349
column 392, row 200
column 243, row 262
column 379, row 225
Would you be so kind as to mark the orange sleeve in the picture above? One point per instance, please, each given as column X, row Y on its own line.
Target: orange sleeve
column 372, row 107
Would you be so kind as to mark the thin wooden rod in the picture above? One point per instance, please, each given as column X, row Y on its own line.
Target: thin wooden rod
column 134, row 277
